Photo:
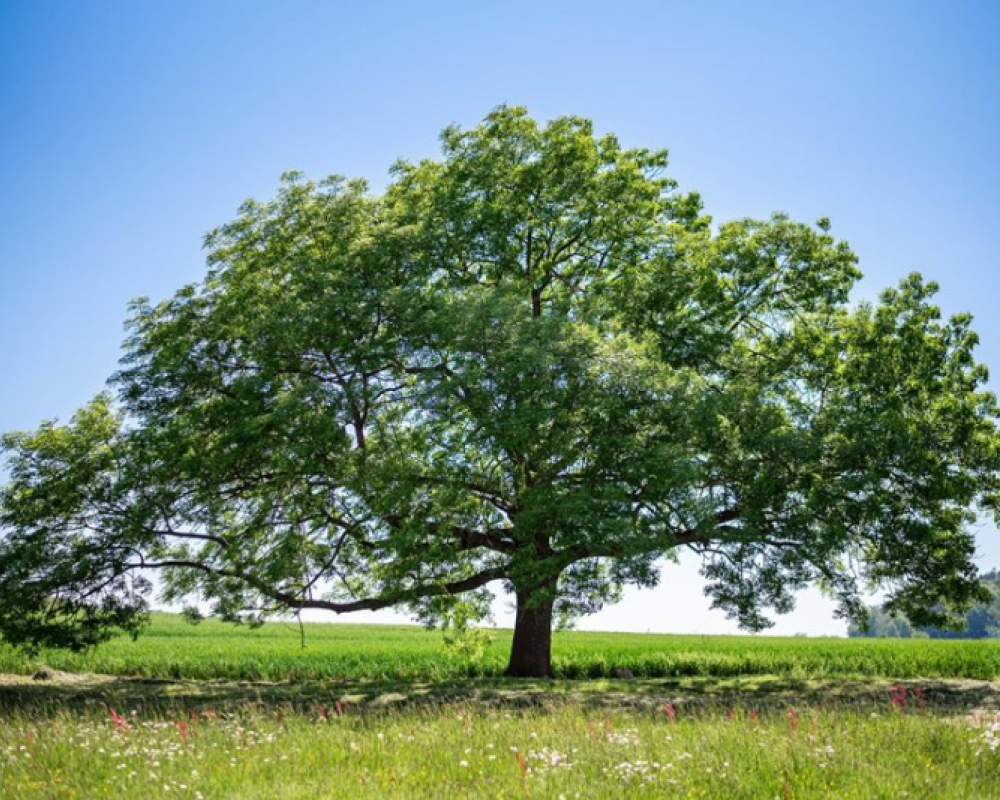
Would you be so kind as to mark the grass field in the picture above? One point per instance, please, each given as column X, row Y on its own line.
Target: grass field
column 174, row 649
column 370, row 711
column 558, row 749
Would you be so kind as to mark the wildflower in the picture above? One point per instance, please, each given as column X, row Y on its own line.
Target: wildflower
column 642, row 771
column 989, row 739
column 119, row 721
column 522, row 764
column 550, row 759
column 793, row 718
column 625, row 737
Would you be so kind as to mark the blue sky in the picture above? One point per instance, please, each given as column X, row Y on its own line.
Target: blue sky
column 128, row 130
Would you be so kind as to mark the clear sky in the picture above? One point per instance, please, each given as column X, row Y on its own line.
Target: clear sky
column 128, row 130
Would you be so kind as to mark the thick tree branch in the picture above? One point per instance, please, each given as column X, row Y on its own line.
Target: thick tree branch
column 292, row 601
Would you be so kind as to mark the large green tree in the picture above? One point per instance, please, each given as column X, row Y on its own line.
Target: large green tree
column 532, row 363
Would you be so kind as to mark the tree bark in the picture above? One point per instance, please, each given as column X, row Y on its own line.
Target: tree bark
column 531, row 650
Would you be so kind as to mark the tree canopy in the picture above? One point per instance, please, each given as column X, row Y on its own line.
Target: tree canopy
column 982, row 620
column 532, row 363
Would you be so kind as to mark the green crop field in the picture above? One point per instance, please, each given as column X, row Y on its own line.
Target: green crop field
column 389, row 711
column 172, row 648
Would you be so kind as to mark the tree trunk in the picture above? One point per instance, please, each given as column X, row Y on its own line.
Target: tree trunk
column 531, row 651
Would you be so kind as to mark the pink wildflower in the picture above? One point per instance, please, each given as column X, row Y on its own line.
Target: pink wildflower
column 119, row 720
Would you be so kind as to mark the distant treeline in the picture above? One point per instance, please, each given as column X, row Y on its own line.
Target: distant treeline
column 981, row 622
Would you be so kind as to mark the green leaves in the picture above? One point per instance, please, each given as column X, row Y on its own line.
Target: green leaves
column 68, row 535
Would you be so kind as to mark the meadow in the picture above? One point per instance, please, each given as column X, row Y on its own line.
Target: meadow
column 172, row 648
column 558, row 749
column 213, row 711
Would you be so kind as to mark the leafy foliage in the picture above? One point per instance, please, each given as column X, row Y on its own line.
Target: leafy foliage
column 981, row 621
column 532, row 362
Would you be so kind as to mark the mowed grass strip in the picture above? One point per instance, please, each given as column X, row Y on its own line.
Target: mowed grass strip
column 470, row 751
column 174, row 649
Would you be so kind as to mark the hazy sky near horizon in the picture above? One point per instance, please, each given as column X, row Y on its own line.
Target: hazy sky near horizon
column 128, row 130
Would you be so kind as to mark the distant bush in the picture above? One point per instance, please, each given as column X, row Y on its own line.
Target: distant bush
column 982, row 621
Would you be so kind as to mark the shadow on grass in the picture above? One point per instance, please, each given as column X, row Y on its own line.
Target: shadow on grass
column 60, row 693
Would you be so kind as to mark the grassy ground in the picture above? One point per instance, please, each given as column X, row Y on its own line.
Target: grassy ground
column 92, row 737
column 365, row 711
column 174, row 649
column 82, row 693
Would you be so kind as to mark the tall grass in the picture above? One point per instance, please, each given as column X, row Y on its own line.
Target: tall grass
column 172, row 648
column 472, row 752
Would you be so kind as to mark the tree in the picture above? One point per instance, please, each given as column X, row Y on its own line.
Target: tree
column 982, row 620
column 881, row 625
column 532, row 363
